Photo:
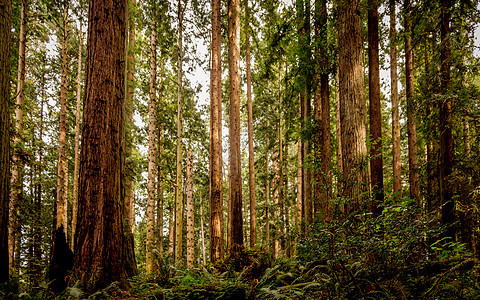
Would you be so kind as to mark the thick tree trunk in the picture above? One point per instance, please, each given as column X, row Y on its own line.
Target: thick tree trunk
column 100, row 257
column 190, row 212
column 251, row 158
column 376, row 162
column 178, row 187
column 323, row 151
column 446, row 137
column 151, row 150
column 216, row 182
column 397, row 164
column 235, row 220
column 16, row 186
column 411, row 127
column 5, row 32
column 352, row 107
column 77, row 138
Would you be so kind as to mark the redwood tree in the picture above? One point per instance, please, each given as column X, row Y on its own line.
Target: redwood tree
column 99, row 247
column 5, row 25
column 216, row 185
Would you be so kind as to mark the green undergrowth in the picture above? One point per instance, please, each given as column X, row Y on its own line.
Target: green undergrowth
column 397, row 255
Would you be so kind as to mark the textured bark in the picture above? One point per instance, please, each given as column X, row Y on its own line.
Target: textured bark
column 411, row 127
column 216, row 183
column 397, row 164
column 62, row 155
column 190, row 212
column 376, row 162
column 5, row 33
column 100, row 257
column 352, row 106
column 129, row 210
column 338, row 130
column 251, row 158
column 235, row 220
column 77, row 138
column 151, row 150
column 446, row 137
column 178, row 186
column 16, row 186
column 322, row 147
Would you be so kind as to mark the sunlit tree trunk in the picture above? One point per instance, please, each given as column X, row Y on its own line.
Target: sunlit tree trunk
column 446, row 137
column 171, row 233
column 77, row 138
column 62, row 155
column 376, row 162
column 151, row 150
column 190, row 212
column 160, row 188
column 16, row 164
column 5, row 33
column 397, row 165
column 411, row 127
column 100, row 257
column 216, row 183
column 235, row 220
column 352, row 106
column 178, row 186
column 202, row 231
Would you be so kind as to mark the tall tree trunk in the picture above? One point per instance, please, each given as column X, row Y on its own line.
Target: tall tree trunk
column 129, row 210
column 323, row 151
column 171, row 232
column 160, row 188
column 281, row 231
column 190, row 212
column 235, row 221
column 397, row 163
column 99, row 240
column 376, row 162
column 77, row 138
column 151, row 150
column 178, row 186
column 411, row 127
column 352, row 106
column 267, row 195
column 5, row 32
column 16, row 164
column 338, row 130
column 251, row 158
column 287, row 200
column 62, row 154
column 466, row 138
column 446, row 138
column 216, row 183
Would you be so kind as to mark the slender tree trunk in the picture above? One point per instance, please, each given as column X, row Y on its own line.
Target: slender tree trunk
column 100, row 257
column 466, row 138
column 281, row 231
column 151, row 150
column 178, row 186
column 129, row 211
column 77, row 138
column 62, row 154
column 352, row 106
column 171, row 232
column 5, row 32
column 235, row 221
column 376, row 162
column 16, row 164
column 323, row 151
column 202, row 231
column 267, row 194
column 446, row 138
column 397, row 167
column 287, row 200
column 190, row 212
column 411, row 127
column 251, row 158
column 216, row 183
column 160, row 189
